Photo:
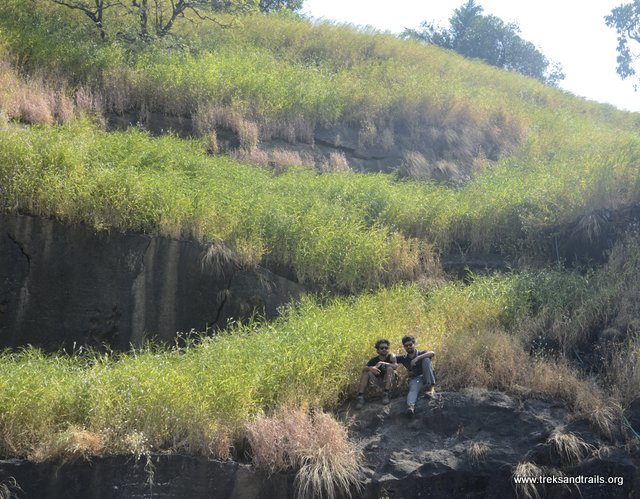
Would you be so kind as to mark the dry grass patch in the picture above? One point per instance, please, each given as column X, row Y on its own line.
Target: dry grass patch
column 495, row 360
column 70, row 445
column 478, row 452
column 570, row 448
column 89, row 101
column 337, row 163
column 528, row 490
column 292, row 129
column 207, row 119
column 315, row 444
column 622, row 368
column 9, row 489
column 283, row 159
column 255, row 157
column 491, row 360
column 557, row 380
column 35, row 101
column 415, row 166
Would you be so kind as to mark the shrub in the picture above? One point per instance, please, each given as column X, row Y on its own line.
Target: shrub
column 314, row 444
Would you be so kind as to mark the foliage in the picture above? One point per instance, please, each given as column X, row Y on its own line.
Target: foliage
column 315, row 444
column 323, row 227
column 343, row 230
column 200, row 397
column 280, row 5
column 489, row 38
column 625, row 19
column 560, row 159
column 155, row 18
column 190, row 398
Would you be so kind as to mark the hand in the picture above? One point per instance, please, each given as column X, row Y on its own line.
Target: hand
column 414, row 362
column 375, row 370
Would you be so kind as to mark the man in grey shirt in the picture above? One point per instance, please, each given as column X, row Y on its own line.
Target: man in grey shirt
column 418, row 364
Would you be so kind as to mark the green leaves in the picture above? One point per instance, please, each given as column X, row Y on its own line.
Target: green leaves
column 625, row 19
column 487, row 37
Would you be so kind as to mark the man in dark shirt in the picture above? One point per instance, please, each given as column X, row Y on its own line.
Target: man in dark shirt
column 418, row 364
column 379, row 370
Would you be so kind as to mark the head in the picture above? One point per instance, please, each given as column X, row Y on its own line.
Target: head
column 409, row 344
column 382, row 346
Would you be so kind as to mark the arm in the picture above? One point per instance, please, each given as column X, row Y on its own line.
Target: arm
column 428, row 354
column 393, row 363
column 372, row 368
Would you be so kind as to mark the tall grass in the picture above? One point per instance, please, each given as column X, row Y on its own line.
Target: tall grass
column 195, row 399
column 320, row 226
column 286, row 76
column 200, row 397
column 344, row 230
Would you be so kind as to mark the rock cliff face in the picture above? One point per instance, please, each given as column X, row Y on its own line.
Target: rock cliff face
column 463, row 445
column 443, row 151
column 63, row 285
column 468, row 444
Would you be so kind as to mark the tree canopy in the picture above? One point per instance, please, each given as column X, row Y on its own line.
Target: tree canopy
column 487, row 37
column 625, row 19
column 156, row 18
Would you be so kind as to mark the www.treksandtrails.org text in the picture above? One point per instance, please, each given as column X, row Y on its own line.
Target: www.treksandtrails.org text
column 569, row 480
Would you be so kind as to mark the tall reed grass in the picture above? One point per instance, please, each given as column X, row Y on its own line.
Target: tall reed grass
column 343, row 230
column 319, row 225
column 199, row 398
column 286, row 76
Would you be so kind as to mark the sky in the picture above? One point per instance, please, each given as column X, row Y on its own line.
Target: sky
column 570, row 32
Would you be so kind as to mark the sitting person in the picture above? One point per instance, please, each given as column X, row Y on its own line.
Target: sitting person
column 379, row 370
column 420, row 369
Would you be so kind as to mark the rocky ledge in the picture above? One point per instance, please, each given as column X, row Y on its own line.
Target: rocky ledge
column 469, row 444
column 463, row 444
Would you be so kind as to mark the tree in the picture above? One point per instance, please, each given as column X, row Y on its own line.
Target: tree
column 156, row 18
column 161, row 15
column 625, row 19
column 463, row 19
column 94, row 10
column 487, row 37
column 277, row 5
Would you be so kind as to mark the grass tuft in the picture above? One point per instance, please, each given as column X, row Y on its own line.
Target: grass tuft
column 314, row 444
column 478, row 452
column 570, row 448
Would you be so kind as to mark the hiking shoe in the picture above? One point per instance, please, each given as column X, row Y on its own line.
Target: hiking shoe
column 430, row 393
column 359, row 402
column 385, row 398
column 411, row 410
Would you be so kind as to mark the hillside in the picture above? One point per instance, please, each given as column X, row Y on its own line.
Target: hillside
column 358, row 166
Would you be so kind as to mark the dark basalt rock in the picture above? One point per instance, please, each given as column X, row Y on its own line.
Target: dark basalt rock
column 64, row 285
column 426, row 456
column 430, row 455
column 170, row 476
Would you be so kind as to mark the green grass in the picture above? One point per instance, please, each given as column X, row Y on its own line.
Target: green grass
column 346, row 231
column 198, row 398
column 180, row 399
column 325, row 228
column 283, row 71
column 562, row 158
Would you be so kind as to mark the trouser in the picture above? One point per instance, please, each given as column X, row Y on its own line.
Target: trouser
column 428, row 378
